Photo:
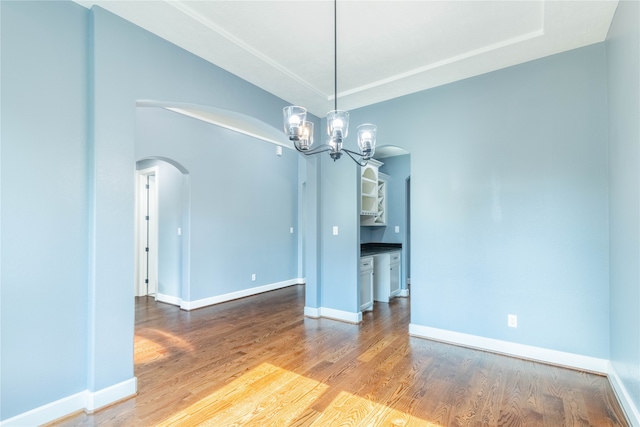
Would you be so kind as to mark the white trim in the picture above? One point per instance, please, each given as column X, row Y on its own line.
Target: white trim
column 169, row 299
column 555, row 357
column 231, row 120
column 107, row 396
column 312, row 312
column 48, row 412
column 192, row 305
column 627, row 403
column 345, row 316
column 85, row 400
column 404, row 293
column 332, row 313
column 277, row 65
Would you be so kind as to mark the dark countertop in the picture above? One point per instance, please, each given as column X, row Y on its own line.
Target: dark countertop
column 367, row 249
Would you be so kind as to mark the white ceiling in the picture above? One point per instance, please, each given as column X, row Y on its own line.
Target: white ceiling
column 386, row 48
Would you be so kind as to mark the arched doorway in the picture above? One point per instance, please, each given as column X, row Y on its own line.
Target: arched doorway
column 162, row 229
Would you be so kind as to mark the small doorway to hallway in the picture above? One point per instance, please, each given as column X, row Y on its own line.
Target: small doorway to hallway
column 162, row 230
column 146, row 282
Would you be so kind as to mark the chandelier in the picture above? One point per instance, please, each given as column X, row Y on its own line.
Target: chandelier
column 300, row 131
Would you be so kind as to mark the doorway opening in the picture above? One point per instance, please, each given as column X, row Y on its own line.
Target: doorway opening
column 162, row 231
column 146, row 283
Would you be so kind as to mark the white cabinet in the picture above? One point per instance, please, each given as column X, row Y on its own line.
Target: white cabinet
column 366, row 283
column 394, row 274
column 386, row 276
column 369, row 188
column 373, row 186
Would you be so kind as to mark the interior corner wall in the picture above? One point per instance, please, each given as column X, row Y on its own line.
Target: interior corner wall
column 509, row 202
column 623, row 51
column 43, row 310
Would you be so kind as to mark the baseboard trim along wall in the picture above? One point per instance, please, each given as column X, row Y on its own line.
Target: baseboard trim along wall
column 627, row 403
column 523, row 351
column 192, row 305
column 570, row 360
column 84, row 401
column 331, row 313
column 168, row 299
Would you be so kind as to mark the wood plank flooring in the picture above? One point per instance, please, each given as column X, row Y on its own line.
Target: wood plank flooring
column 258, row 362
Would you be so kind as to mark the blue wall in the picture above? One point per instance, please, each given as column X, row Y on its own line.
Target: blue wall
column 43, row 310
column 509, row 201
column 623, row 50
column 243, row 201
column 339, row 254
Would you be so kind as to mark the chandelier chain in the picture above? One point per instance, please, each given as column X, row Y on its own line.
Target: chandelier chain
column 335, row 54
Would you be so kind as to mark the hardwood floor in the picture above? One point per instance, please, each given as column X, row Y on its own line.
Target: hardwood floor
column 257, row 362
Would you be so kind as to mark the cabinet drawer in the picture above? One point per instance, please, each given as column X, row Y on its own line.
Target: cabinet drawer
column 366, row 263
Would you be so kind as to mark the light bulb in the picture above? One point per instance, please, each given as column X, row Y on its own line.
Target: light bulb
column 294, row 120
column 338, row 124
column 366, row 136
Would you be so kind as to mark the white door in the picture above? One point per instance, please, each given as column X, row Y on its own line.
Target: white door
column 147, row 235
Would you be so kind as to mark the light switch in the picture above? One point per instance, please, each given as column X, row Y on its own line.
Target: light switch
column 279, row 150
column 335, row 230
column 179, row 231
column 291, row 230
column 397, row 228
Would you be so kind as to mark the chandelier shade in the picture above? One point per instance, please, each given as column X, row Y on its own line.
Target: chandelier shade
column 367, row 140
column 294, row 120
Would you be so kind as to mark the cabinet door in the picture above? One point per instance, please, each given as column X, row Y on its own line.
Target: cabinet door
column 366, row 290
column 381, row 277
column 394, row 274
column 394, row 285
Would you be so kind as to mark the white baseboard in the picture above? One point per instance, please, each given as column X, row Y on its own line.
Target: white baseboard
column 627, row 403
column 192, row 305
column 404, row 293
column 523, row 351
column 107, row 396
column 331, row 313
column 168, row 299
column 312, row 312
column 83, row 401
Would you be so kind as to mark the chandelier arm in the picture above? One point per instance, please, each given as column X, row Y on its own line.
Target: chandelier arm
column 351, row 153
column 319, row 149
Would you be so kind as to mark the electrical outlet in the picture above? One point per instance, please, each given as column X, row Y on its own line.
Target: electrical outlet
column 279, row 150
column 335, row 230
column 397, row 229
column 512, row 321
column 253, row 277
